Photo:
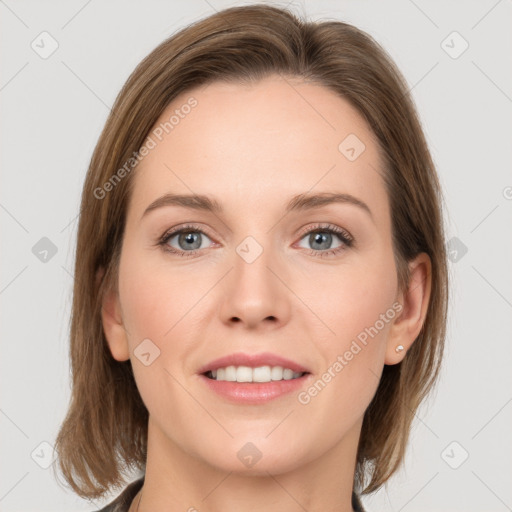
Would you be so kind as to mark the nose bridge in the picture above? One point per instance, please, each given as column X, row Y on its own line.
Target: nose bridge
column 253, row 291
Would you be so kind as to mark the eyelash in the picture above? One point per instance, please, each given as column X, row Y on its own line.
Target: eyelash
column 344, row 236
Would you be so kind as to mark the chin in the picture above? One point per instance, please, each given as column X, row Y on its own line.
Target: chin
column 255, row 458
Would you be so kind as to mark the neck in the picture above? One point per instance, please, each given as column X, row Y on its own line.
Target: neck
column 177, row 480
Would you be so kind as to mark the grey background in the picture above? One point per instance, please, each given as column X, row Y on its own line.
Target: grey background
column 52, row 112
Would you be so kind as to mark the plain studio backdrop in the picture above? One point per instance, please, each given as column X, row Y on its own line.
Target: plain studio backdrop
column 63, row 63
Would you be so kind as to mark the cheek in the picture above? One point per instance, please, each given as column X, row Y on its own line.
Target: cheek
column 352, row 298
column 154, row 301
column 359, row 311
column 158, row 307
column 356, row 304
column 153, row 298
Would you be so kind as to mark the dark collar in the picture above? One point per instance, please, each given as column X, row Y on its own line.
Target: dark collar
column 124, row 500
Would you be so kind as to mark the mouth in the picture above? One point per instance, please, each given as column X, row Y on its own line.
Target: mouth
column 257, row 374
column 254, row 378
column 263, row 367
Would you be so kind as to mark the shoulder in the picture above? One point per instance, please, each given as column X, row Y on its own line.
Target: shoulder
column 123, row 501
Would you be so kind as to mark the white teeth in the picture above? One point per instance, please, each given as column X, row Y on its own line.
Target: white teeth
column 231, row 373
column 259, row 374
column 276, row 373
column 243, row 374
column 287, row 374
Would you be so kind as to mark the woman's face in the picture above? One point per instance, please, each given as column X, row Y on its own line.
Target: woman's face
column 310, row 281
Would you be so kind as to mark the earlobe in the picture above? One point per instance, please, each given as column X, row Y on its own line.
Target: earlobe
column 113, row 326
column 414, row 301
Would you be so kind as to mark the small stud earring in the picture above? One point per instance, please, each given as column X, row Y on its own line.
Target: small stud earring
column 399, row 348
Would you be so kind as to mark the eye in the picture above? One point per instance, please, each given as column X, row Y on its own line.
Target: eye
column 189, row 240
column 321, row 239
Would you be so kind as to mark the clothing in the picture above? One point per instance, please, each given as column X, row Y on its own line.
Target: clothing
column 124, row 500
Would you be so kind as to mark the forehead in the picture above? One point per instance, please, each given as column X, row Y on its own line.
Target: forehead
column 258, row 144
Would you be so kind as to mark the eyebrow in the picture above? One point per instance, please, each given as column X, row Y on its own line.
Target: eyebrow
column 300, row 202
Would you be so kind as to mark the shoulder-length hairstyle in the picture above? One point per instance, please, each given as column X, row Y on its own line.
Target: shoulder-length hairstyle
column 105, row 430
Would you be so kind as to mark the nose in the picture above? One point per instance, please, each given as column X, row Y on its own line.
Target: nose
column 254, row 293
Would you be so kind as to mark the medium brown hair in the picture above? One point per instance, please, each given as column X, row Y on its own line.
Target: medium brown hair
column 105, row 430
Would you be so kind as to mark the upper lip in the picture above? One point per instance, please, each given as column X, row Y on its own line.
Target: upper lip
column 253, row 361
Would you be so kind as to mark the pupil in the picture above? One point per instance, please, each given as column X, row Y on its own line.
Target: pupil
column 318, row 237
column 191, row 240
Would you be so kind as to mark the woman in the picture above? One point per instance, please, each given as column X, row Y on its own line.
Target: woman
column 260, row 279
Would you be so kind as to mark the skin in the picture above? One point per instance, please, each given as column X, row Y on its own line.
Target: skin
column 252, row 147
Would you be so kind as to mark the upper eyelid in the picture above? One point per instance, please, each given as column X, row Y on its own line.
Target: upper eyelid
column 327, row 227
column 176, row 231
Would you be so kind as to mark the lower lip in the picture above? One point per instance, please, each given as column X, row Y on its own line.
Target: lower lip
column 254, row 392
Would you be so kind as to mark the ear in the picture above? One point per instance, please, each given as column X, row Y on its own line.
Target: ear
column 414, row 300
column 112, row 321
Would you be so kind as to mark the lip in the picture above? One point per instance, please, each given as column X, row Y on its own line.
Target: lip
column 254, row 361
column 252, row 393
